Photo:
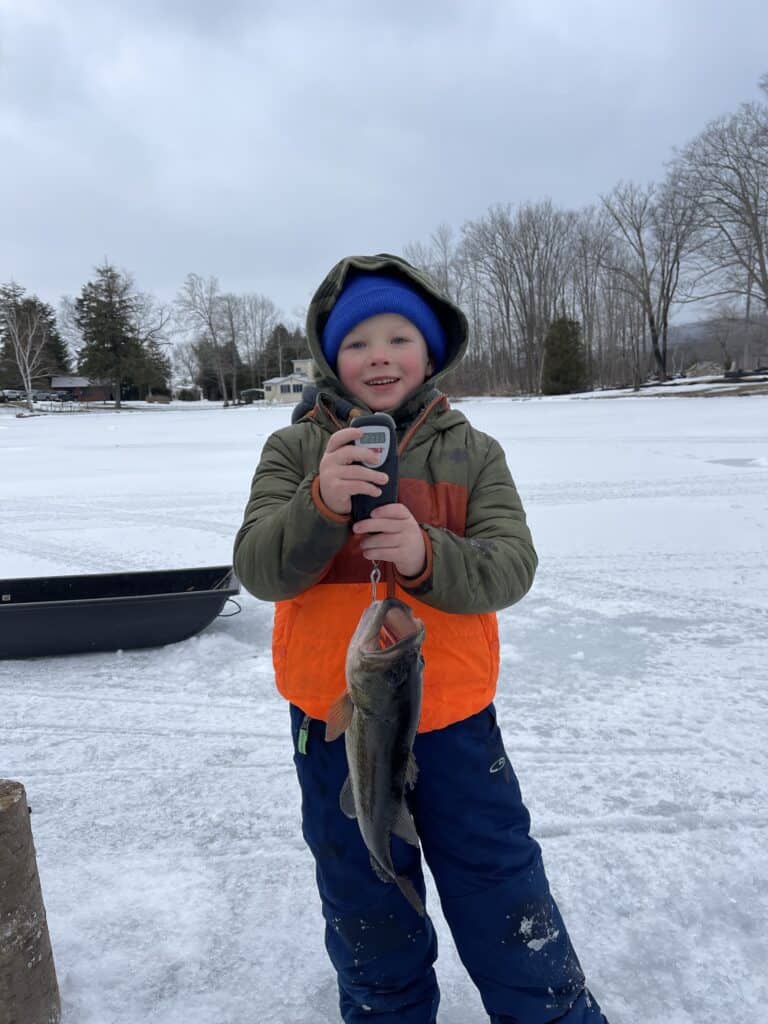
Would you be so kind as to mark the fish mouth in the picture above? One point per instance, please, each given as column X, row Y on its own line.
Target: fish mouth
column 392, row 623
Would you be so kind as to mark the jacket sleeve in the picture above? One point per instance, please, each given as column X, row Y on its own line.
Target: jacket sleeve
column 288, row 537
column 492, row 566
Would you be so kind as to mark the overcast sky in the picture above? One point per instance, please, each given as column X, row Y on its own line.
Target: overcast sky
column 262, row 141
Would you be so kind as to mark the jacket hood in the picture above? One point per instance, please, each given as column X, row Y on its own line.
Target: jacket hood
column 452, row 319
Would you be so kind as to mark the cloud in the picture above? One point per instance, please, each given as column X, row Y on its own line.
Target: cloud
column 261, row 142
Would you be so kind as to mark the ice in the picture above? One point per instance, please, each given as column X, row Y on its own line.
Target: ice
column 632, row 699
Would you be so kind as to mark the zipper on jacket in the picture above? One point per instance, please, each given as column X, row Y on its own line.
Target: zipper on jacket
column 419, row 420
column 303, row 738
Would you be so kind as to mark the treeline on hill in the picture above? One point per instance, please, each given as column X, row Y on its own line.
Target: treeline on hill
column 557, row 300
column 618, row 269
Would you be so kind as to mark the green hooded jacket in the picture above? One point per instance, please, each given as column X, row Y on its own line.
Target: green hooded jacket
column 293, row 550
column 288, row 540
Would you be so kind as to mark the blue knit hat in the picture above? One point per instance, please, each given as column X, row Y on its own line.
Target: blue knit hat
column 368, row 295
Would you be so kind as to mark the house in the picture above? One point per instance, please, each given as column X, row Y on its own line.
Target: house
column 305, row 366
column 287, row 390
column 81, row 389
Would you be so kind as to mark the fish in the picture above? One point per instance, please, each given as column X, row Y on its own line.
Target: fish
column 378, row 714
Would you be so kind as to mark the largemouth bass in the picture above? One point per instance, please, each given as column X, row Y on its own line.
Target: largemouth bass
column 379, row 714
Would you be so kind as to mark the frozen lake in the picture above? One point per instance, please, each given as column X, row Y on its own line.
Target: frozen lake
column 633, row 700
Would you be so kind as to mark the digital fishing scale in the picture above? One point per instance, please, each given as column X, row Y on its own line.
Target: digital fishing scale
column 380, row 436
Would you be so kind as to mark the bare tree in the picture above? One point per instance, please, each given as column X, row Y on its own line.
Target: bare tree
column 724, row 330
column 545, row 234
column 623, row 327
column 260, row 317
column 68, row 326
column 726, row 169
column 442, row 258
column 24, row 325
column 487, row 244
column 185, row 360
column 151, row 319
column 622, row 268
column 199, row 311
column 233, row 332
column 591, row 245
column 420, row 255
column 657, row 228
column 478, row 372
column 527, row 255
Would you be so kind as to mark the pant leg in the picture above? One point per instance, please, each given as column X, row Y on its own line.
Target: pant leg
column 474, row 830
column 382, row 950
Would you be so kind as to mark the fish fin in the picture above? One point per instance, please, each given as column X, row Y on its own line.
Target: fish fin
column 379, row 871
column 339, row 717
column 347, row 799
column 408, row 889
column 404, row 826
column 411, row 770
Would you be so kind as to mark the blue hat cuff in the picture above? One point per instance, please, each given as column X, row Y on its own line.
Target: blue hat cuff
column 371, row 294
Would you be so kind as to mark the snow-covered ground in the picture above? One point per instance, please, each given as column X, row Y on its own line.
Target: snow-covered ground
column 633, row 698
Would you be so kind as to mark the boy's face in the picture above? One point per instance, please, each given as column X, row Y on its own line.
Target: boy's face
column 382, row 360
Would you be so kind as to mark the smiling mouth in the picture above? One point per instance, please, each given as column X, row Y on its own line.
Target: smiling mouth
column 378, row 381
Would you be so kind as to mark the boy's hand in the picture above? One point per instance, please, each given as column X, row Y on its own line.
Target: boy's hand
column 341, row 474
column 393, row 535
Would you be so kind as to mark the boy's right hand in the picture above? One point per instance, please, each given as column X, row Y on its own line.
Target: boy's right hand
column 341, row 474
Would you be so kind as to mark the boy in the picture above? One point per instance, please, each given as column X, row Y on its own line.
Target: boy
column 456, row 548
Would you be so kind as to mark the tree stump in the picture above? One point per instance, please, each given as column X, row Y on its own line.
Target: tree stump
column 29, row 993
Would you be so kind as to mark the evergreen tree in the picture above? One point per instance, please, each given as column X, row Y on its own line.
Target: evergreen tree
column 118, row 344
column 57, row 357
column 207, row 377
column 235, row 367
column 11, row 296
column 151, row 373
column 202, row 309
column 282, row 347
column 565, row 366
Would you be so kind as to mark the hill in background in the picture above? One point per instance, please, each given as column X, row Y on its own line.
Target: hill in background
column 733, row 344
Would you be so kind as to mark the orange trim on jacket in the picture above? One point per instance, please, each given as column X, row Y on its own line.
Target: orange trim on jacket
column 312, row 632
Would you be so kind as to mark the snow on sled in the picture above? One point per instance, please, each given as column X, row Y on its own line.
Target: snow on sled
column 49, row 615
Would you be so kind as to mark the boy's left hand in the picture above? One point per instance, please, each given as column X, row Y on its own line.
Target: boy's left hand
column 393, row 535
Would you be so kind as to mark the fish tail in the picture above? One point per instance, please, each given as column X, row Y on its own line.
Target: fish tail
column 404, row 884
column 408, row 889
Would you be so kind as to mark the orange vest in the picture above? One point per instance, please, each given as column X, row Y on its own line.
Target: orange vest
column 312, row 631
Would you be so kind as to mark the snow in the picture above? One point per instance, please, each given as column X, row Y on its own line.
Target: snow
column 632, row 698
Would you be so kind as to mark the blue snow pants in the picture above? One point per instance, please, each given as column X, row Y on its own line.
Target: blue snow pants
column 474, row 831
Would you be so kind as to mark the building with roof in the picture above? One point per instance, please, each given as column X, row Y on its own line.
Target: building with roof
column 287, row 390
column 80, row 389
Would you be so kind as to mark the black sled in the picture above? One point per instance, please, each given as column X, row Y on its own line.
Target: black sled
column 51, row 615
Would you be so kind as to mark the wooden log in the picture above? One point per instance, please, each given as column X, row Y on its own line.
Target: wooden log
column 29, row 993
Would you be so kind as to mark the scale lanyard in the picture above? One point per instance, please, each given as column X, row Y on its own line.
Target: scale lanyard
column 375, row 577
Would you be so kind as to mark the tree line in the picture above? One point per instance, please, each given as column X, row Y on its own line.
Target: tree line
column 233, row 342
column 609, row 276
column 556, row 299
column 211, row 342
